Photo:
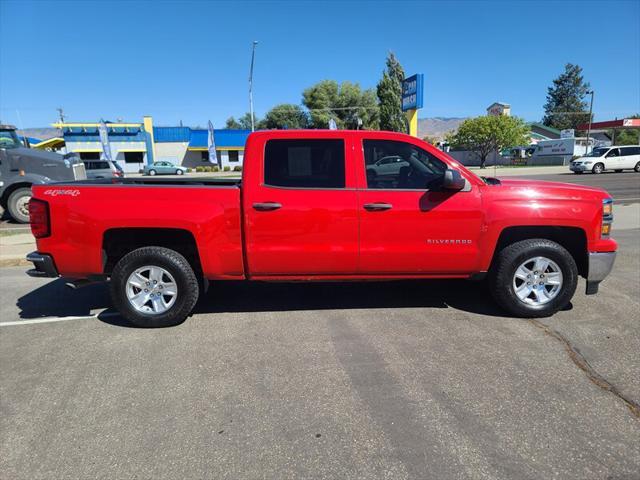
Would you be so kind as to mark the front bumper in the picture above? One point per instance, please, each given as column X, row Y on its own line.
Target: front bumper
column 579, row 168
column 44, row 266
column 600, row 265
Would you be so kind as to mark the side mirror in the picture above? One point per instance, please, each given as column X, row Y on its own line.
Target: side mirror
column 453, row 180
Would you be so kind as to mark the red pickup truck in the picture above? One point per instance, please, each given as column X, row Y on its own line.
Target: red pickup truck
column 324, row 205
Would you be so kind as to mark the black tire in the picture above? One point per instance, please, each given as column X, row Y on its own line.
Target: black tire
column 152, row 172
column 187, row 286
column 179, row 172
column 598, row 168
column 637, row 167
column 511, row 257
column 15, row 204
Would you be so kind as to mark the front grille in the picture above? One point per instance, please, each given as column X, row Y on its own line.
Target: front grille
column 79, row 173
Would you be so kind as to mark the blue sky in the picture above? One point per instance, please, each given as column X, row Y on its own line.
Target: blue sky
column 189, row 61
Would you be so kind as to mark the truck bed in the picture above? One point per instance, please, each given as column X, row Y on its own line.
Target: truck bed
column 84, row 213
column 177, row 181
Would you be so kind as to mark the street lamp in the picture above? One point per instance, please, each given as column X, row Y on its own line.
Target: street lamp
column 589, row 92
column 253, row 55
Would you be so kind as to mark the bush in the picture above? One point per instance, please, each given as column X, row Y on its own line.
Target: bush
column 237, row 168
column 227, row 168
column 188, row 170
column 216, row 169
column 199, row 169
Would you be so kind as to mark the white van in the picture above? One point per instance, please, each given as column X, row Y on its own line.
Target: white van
column 618, row 158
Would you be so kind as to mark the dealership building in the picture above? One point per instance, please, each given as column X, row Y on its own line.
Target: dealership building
column 134, row 145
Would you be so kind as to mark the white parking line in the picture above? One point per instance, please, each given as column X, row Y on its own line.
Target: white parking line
column 53, row 319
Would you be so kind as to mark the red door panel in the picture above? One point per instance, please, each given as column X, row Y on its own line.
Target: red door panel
column 301, row 230
column 422, row 232
column 313, row 232
column 408, row 224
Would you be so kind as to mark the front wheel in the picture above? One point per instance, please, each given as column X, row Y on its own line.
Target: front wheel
column 154, row 287
column 152, row 172
column 18, row 204
column 598, row 168
column 533, row 278
column 179, row 172
column 637, row 167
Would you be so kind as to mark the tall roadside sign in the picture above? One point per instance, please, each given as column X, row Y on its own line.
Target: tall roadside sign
column 412, row 93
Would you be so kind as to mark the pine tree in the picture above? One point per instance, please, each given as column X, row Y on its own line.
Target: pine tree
column 390, row 97
column 565, row 107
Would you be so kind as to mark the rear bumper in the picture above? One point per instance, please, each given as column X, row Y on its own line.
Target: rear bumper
column 600, row 266
column 44, row 266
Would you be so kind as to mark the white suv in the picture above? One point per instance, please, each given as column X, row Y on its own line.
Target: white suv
column 618, row 158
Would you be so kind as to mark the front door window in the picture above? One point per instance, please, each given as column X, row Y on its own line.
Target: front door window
column 392, row 164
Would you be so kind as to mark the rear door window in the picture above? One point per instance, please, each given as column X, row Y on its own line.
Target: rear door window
column 313, row 163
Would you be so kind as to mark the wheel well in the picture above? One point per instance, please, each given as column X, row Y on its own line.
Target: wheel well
column 573, row 239
column 10, row 189
column 118, row 242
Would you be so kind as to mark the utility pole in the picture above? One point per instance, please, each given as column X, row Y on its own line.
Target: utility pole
column 253, row 55
column 589, row 92
column 61, row 114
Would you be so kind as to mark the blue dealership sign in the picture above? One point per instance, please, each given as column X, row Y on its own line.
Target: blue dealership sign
column 412, row 92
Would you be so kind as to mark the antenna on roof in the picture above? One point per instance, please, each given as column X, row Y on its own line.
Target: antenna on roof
column 61, row 114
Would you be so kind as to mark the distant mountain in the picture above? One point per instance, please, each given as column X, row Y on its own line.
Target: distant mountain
column 41, row 133
column 438, row 126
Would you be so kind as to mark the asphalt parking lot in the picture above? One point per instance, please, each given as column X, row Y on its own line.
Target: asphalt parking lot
column 379, row 380
column 373, row 380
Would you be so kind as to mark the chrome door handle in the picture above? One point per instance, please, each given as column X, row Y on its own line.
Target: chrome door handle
column 267, row 206
column 377, row 207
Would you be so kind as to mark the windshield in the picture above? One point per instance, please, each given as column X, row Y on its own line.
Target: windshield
column 9, row 139
column 597, row 152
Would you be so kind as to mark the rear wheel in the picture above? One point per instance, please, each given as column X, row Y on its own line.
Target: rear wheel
column 534, row 278
column 18, row 204
column 154, row 287
column 179, row 172
column 598, row 168
column 637, row 167
column 152, row 172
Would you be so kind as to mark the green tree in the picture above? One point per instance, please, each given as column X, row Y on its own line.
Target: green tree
column 244, row 122
column 389, row 93
column 487, row 134
column 286, row 115
column 566, row 107
column 346, row 103
column 232, row 124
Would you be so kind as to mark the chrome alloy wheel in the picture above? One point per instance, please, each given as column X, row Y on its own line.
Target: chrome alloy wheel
column 151, row 289
column 537, row 281
column 22, row 205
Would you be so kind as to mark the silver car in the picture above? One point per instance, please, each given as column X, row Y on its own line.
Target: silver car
column 164, row 168
column 101, row 169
